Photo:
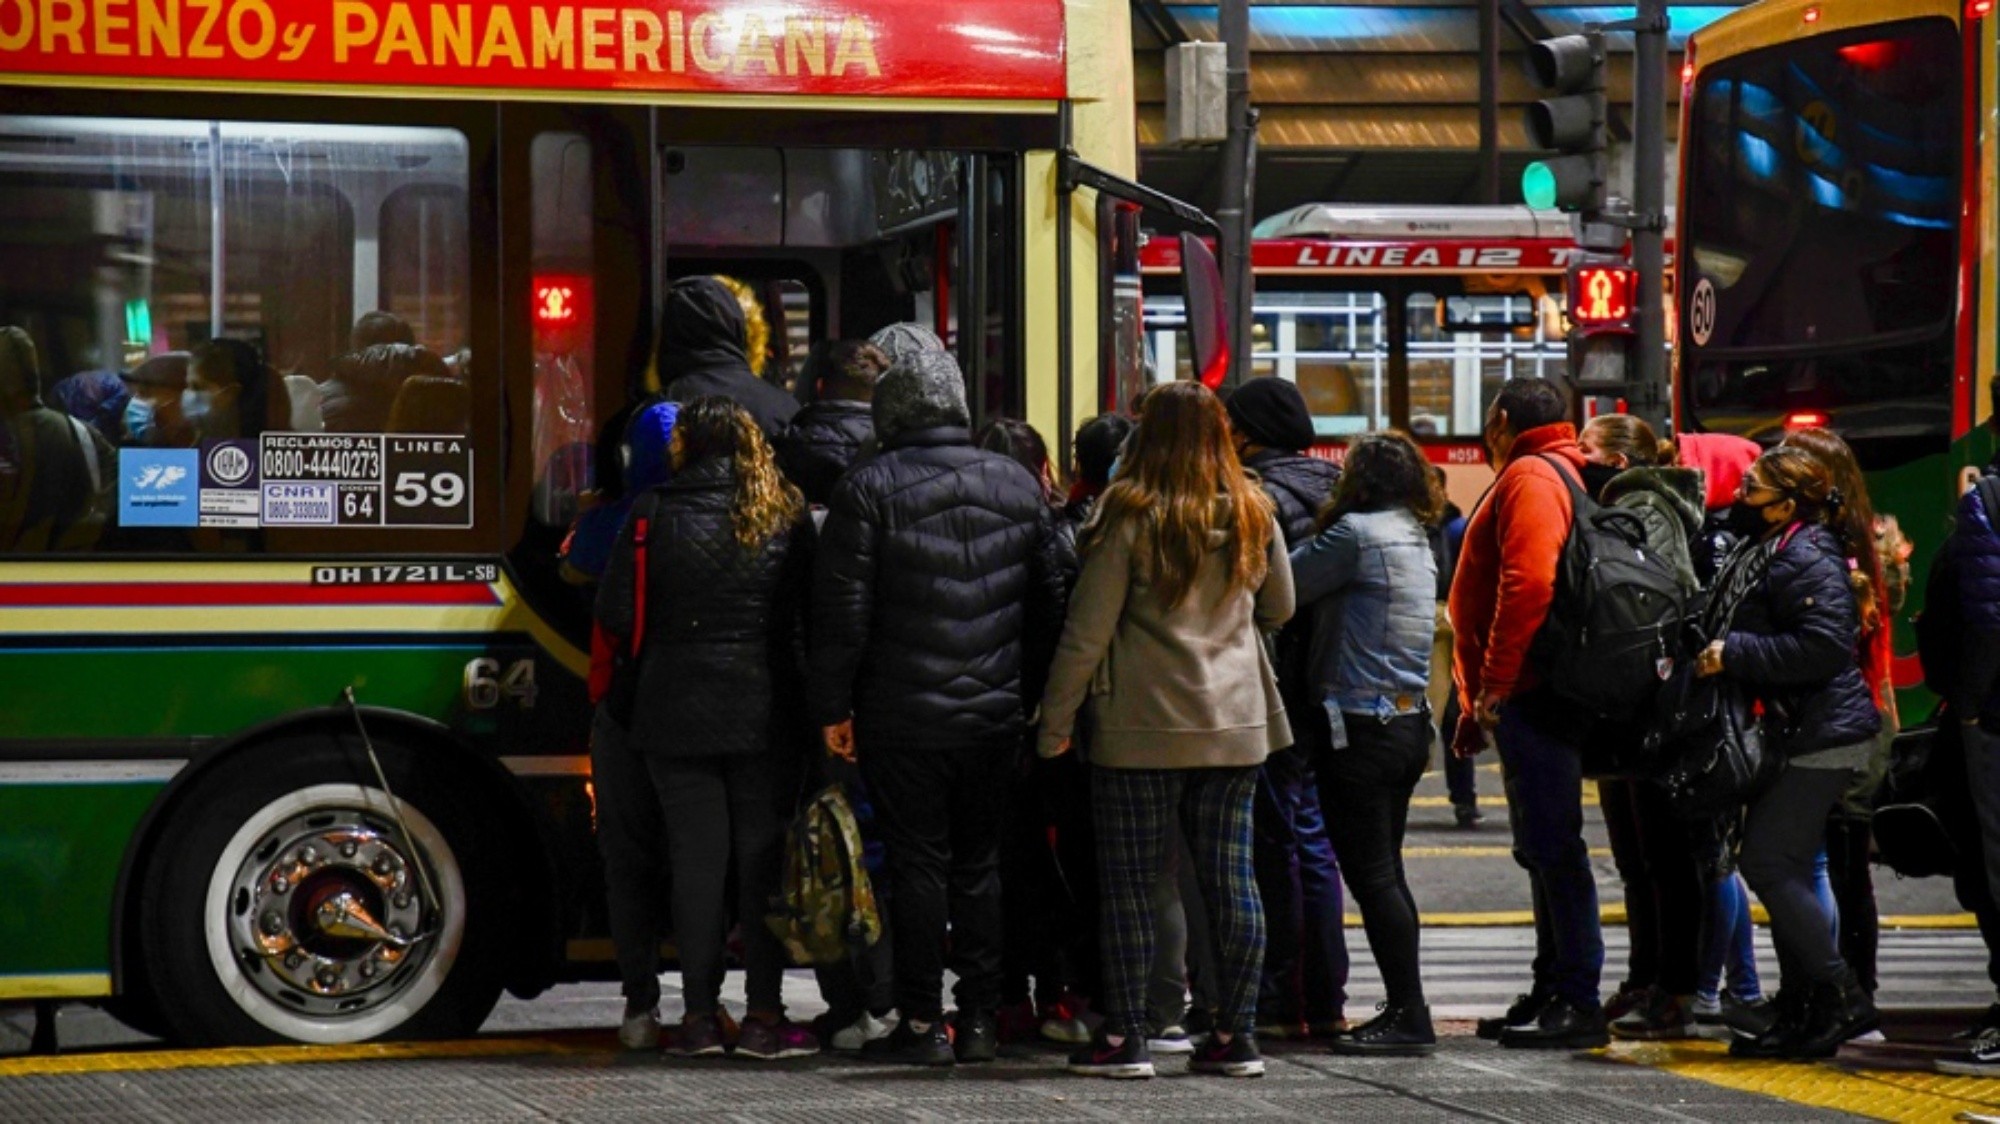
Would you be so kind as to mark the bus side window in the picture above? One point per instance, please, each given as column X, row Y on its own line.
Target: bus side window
column 561, row 225
column 215, row 305
column 1331, row 345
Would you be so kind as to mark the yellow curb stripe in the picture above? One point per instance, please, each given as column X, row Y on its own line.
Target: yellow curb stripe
column 60, row 985
column 1614, row 914
column 156, row 1060
column 1921, row 1098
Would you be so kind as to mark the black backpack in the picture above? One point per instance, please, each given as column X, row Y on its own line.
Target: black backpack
column 1616, row 625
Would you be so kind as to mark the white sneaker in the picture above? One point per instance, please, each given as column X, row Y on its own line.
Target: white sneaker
column 640, row 1031
column 1170, row 1040
column 866, row 1029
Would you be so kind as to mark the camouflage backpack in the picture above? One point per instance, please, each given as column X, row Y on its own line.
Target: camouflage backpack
column 825, row 908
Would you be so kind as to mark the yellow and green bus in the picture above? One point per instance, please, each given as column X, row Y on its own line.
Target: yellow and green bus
column 194, row 828
column 1836, row 245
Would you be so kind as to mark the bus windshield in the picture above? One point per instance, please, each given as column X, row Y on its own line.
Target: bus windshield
column 1821, row 212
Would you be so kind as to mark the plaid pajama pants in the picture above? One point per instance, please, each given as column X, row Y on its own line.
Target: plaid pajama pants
column 1134, row 810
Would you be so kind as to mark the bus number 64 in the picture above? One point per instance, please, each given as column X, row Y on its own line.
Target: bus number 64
column 486, row 685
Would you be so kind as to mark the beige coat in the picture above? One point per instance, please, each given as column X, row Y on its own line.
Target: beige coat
column 1186, row 687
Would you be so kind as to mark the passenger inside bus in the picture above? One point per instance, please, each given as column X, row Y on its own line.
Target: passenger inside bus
column 228, row 391
column 153, row 417
column 55, row 471
column 360, row 395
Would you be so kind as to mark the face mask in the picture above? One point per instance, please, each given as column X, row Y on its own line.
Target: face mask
column 196, row 406
column 1746, row 520
column 139, row 421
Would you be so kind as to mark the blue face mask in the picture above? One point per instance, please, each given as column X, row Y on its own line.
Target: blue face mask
column 195, row 407
column 140, row 420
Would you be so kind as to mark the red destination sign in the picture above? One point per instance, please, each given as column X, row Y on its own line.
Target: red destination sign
column 875, row 48
column 1302, row 255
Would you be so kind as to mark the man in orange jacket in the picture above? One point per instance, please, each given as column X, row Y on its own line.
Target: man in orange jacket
column 1499, row 598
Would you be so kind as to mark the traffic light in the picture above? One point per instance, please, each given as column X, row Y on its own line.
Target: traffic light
column 1603, row 297
column 1570, row 122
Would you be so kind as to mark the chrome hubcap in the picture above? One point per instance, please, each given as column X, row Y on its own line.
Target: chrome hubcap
column 325, row 914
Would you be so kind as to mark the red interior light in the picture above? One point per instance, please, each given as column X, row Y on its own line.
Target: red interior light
column 1687, row 74
column 562, row 301
column 1812, row 15
column 1807, row 419
column 1978, row 9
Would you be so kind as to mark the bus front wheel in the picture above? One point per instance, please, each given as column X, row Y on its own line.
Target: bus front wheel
column 285, row 902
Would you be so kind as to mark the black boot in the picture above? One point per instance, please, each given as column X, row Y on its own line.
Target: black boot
column 1838, row 1010
column 1525, row 1009
column 1398, row 1032
column 1780, row 1038
column 1562, row 1025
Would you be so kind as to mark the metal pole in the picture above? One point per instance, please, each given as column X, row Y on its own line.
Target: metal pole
column 1649, row 199
column 1235, row 212
column 1489, row 101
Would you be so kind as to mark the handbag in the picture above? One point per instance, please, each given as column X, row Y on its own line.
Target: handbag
column 1707, row 732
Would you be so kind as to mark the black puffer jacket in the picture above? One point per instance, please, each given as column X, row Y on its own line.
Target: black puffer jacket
column 358, row 396
column 937, row 596
column 1793, row 643
column 1298, row 484
column 702, row 353
column 719, row 664
column 822, row 442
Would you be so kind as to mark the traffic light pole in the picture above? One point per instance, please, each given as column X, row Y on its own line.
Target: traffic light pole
column 1649, row 201
column 1239, row 153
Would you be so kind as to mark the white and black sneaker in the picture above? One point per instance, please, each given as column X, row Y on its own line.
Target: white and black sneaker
column 1170, row 1040
column 1983, row 1060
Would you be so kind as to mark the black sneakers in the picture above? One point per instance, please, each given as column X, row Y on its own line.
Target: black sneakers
column 1100, row 1058
column 1562, row 1025
column 1237, row 1058
column 906, row 1045
column 1525, row 1009
column 1398, row 1032
column 977, row 1038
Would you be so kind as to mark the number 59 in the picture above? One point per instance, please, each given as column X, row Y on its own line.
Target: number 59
column 445, row 489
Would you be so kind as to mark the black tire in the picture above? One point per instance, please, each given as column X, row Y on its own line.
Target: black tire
column 446, row 987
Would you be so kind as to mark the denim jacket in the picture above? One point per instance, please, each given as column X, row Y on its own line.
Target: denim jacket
column 1370, row 584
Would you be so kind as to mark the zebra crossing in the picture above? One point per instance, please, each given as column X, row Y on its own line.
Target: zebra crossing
column 1470, row 972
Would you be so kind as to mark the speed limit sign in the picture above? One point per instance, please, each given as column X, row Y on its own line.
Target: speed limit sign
column 1701, row 312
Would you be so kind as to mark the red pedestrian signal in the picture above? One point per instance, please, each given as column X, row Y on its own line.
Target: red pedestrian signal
column 1602, row 296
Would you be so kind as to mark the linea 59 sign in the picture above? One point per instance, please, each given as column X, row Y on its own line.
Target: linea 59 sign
column 908, row 48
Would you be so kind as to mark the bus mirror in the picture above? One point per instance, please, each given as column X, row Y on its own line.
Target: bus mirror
column 1207, row 314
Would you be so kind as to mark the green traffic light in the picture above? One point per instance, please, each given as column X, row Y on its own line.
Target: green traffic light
column 1538, row 186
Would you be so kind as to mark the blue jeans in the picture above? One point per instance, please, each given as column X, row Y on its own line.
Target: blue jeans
column 1305, row 949
column 1544, row 782
column 1728, row 941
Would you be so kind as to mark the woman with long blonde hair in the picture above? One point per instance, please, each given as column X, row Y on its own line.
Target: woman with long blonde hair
column 1184, row 574
column 704, row 596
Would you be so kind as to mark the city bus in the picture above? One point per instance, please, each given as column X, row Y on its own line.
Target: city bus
column 1398, row 316
column 294, row 737
column 1836, row 243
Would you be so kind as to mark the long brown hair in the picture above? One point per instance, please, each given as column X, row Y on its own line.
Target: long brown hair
column 1856, row 517
column 1175, row 466
column 1804, row 477
column 1628, row 436
column 765, row 503
column 1384, row 471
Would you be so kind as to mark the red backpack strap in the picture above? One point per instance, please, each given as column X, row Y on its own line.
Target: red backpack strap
column 642, row 528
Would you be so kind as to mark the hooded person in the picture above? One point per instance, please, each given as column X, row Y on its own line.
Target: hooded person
column 1304, row 983
column 1722, row 459
column 937, row 598
column 632, row 458
column 704, row 350
column 153, row 417
column 829, row 434
column 906, row 341
column 55, row 471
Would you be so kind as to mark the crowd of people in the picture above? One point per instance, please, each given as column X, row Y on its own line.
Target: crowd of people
column 1117, row 747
